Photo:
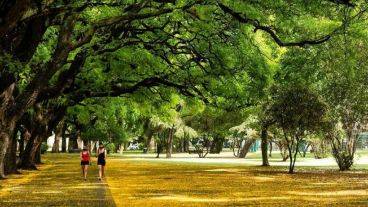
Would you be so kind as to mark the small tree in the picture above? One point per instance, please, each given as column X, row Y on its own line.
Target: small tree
column 243, row 137
column 202, row 145
column 298, row 111
column 276, row 137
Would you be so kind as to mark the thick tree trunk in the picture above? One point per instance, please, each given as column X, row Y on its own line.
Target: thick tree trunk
column 7, row 125
column 63, row 144
column 217, row 145
column 11, row 13
column 169, row 142
column 58, row 137
column 21, row 143
column 73, row 144
column 37, row 154
column 264, row 146
column 125, row 147
column 186, row 145
column 56, row 145
column 147, row 145
column 27, row 161
column 245, row 149
column 11, row 156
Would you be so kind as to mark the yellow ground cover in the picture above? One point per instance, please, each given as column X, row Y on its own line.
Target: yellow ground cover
column 145, row 183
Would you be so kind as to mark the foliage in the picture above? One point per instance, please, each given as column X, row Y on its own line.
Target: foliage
column 298, row 111
column 44, row 147
column 110, row 148
column 202, row 145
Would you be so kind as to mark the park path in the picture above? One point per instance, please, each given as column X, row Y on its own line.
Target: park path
column 57, row 183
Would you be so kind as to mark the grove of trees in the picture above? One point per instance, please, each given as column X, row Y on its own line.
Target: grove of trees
column 181, row 70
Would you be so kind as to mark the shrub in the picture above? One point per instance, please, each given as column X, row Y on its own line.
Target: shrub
column 44, row 148
column 110, row 148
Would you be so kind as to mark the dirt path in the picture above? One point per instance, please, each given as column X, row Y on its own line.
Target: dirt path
column 58, row 183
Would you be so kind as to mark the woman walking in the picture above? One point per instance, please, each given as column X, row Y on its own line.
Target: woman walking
column 101, row 162
column 85, row 161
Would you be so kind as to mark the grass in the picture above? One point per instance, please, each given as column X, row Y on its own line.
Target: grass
column 172, row 184
column 58, row 182
column 145, row 183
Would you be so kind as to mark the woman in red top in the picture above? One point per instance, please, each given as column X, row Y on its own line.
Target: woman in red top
column 85, row 161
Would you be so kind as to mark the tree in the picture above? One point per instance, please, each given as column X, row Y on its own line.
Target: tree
column 298, row 112
column 45, row 45
column 244, row 136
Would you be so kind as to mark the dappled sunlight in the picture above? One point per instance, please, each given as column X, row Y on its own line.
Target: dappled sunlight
column 202, row 199
column 333, row 193
column 224, row 170
column 144, row 183
column 56, row 184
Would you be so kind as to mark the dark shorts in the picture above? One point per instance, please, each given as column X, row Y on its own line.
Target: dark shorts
column 101, row 162
column 84, row 162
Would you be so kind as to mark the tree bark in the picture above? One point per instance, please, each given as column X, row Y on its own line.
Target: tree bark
column 11, row 13
column 147, row 145
column 73, row 143
column 37, row 154
column 264, row 146
column 11, row 156
column 245, row 149
column 169, row 144
column 27, row 161
column 186, row 145
column 63, row 138
column 7, row 126
column 217, row 144
column 58, row 137
column 270, row 153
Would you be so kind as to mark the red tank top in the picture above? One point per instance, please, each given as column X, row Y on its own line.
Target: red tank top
column 85, row 156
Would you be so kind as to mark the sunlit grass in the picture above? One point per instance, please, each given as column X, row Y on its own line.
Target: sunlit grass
column 146, row 183
column 142, row 183
column 57, row 183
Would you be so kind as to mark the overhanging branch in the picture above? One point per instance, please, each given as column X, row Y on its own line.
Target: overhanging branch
column 258, row 26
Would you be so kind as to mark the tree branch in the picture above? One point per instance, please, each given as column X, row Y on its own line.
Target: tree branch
column 80, row 95
column 257, row 26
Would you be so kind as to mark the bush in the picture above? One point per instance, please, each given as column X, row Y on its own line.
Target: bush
column 110, row 148
column 44, row 148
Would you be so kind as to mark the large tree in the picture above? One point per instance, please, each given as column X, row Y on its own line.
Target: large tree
column 46, row 44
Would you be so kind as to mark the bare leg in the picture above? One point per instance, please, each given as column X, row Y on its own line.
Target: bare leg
column 99, row 171
column 103, row 171
column 82, row 170
column 85, row 171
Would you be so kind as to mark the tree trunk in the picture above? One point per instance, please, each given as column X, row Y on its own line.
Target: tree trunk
column 11, row 156
column 7, row 125
column 291, row 168
column 147, row 144
column 56, row 145
column 270, row 153
column 245, row 149
column 27, row 161
column 63, row 144
column 217, row 145
column 264, row 146
column 58, row 137
column 169, row 142
column 37, row 154
column 73, row 144
column 14, row 12
column 21, row 143
column 186, row 146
